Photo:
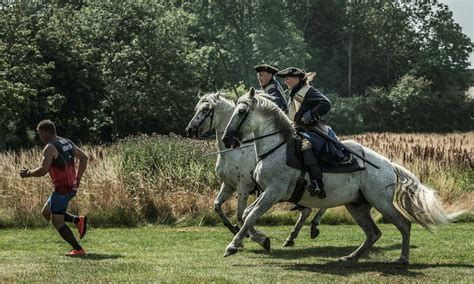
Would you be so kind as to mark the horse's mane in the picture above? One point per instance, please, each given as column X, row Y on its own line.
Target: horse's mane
column 266, row 106
column 213, row 99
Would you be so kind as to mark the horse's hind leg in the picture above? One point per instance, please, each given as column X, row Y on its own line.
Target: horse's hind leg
column 304, row 213
column 315, row 223
column 404, row 226
column 361, row 214
column 224, row 193
column 391, row 214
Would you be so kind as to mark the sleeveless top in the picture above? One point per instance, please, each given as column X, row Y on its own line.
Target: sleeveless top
column 62, row 170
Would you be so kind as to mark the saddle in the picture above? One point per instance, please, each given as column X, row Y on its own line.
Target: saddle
column 294, row 157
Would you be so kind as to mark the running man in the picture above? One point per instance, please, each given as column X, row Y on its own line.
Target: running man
column 58, row 159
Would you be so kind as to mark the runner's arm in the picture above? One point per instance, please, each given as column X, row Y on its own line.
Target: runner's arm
column 48, row 156
column 83, row 159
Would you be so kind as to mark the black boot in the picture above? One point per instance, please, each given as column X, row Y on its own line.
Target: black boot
column 296, row 207
column 311, row 163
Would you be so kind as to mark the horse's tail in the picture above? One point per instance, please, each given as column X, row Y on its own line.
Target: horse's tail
column 419, row 203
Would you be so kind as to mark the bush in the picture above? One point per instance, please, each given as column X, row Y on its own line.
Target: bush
column 411, row 106
column 344, row 116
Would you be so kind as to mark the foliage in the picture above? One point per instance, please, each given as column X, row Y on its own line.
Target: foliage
column 412, row 105
column 166, row 180
column 383, row 40
column 103, row 70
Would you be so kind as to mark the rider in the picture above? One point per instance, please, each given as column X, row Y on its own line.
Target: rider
column 58, row 159
column 271, row 86
column 307, row 106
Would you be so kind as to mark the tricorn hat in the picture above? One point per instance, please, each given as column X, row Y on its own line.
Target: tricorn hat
column 266, row 68
column 291, row 72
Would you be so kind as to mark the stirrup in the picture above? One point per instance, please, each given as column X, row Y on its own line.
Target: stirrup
column 313, row 188
column 346, row 160
column 296, row 207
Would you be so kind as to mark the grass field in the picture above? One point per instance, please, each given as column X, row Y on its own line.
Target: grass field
column 194, row 254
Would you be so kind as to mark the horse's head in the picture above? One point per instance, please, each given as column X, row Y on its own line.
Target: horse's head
column 202, row 123
column 211, row 111
column 241, row 122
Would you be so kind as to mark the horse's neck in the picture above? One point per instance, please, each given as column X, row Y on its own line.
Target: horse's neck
column 266, row 144
column 222, row 118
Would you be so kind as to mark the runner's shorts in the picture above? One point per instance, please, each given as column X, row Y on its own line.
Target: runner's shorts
column 59, row 202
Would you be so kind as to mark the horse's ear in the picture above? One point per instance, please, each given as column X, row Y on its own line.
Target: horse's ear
column 200, row 95
column 252, row 92
column 218, row 94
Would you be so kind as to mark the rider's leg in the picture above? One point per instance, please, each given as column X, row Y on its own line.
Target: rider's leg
column 311, row 163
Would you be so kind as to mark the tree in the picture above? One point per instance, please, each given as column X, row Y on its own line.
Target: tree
column 375, row 43
column 248, row 33
column 24, row 75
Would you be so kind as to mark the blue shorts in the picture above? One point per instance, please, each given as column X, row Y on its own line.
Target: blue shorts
column 58, row 203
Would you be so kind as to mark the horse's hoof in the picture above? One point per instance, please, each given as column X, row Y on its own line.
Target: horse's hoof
column 230, row 250
column 347, row 259
column 402, row 261
column 314, row 233
column 289, row 243
column 267, row 244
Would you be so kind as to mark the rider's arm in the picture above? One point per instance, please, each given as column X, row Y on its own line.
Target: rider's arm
column 48, row 155
column 314, row 106
column 83, row 159
column 322, row 103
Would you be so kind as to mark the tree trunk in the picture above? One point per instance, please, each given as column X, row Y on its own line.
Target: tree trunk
column 349, row 67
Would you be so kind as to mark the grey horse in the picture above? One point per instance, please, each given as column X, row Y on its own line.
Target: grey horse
column 394, row 191
column 213, row 112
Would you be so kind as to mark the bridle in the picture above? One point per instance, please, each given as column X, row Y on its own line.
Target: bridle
column 210, row 113
column 268, row 153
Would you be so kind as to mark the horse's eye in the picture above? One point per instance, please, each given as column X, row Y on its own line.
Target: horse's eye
column 242, row 111
column 205, row 109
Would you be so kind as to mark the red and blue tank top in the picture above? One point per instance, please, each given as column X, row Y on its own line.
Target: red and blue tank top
column 63, row 170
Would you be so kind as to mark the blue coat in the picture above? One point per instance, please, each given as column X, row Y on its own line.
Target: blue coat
column 274, row 89
column 314, row 105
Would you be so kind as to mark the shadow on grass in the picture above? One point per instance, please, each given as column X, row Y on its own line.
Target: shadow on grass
column 99, row 256
column 344, row 268
column 387, row 268
column 326, row 251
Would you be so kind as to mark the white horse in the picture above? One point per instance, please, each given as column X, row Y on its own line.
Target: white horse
column 213, row 112
column 392, row 189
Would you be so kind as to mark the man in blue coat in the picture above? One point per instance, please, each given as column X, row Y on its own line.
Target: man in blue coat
column 307, row 106
column 271, row 86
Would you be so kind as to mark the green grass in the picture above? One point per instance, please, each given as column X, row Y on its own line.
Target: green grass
column 194, row 254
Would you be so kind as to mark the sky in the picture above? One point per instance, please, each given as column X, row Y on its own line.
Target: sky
column 463, row 13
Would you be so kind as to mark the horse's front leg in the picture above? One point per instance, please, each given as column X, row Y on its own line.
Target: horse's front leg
column 304, row 213
column 262, row 205
column 316, row 221
column 224, row 193
column 242, row 198
column 256, row 236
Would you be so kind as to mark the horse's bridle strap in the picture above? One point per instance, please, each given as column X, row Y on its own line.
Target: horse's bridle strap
column 211, row 114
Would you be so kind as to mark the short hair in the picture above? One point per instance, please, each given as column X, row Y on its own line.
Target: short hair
column 47, row 125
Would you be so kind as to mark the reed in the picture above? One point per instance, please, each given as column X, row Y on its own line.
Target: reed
column 165, row 179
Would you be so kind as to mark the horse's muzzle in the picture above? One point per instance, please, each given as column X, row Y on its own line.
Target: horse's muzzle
column 191, row 131
column 230, row 141
column 227, row 141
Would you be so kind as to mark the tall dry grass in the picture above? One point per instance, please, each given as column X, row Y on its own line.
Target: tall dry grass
column 165, row 179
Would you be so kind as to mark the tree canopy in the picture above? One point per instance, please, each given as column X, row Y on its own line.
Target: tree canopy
column 103, row 70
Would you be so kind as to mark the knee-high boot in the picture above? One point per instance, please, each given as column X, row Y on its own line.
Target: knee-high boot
column 311, row 163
